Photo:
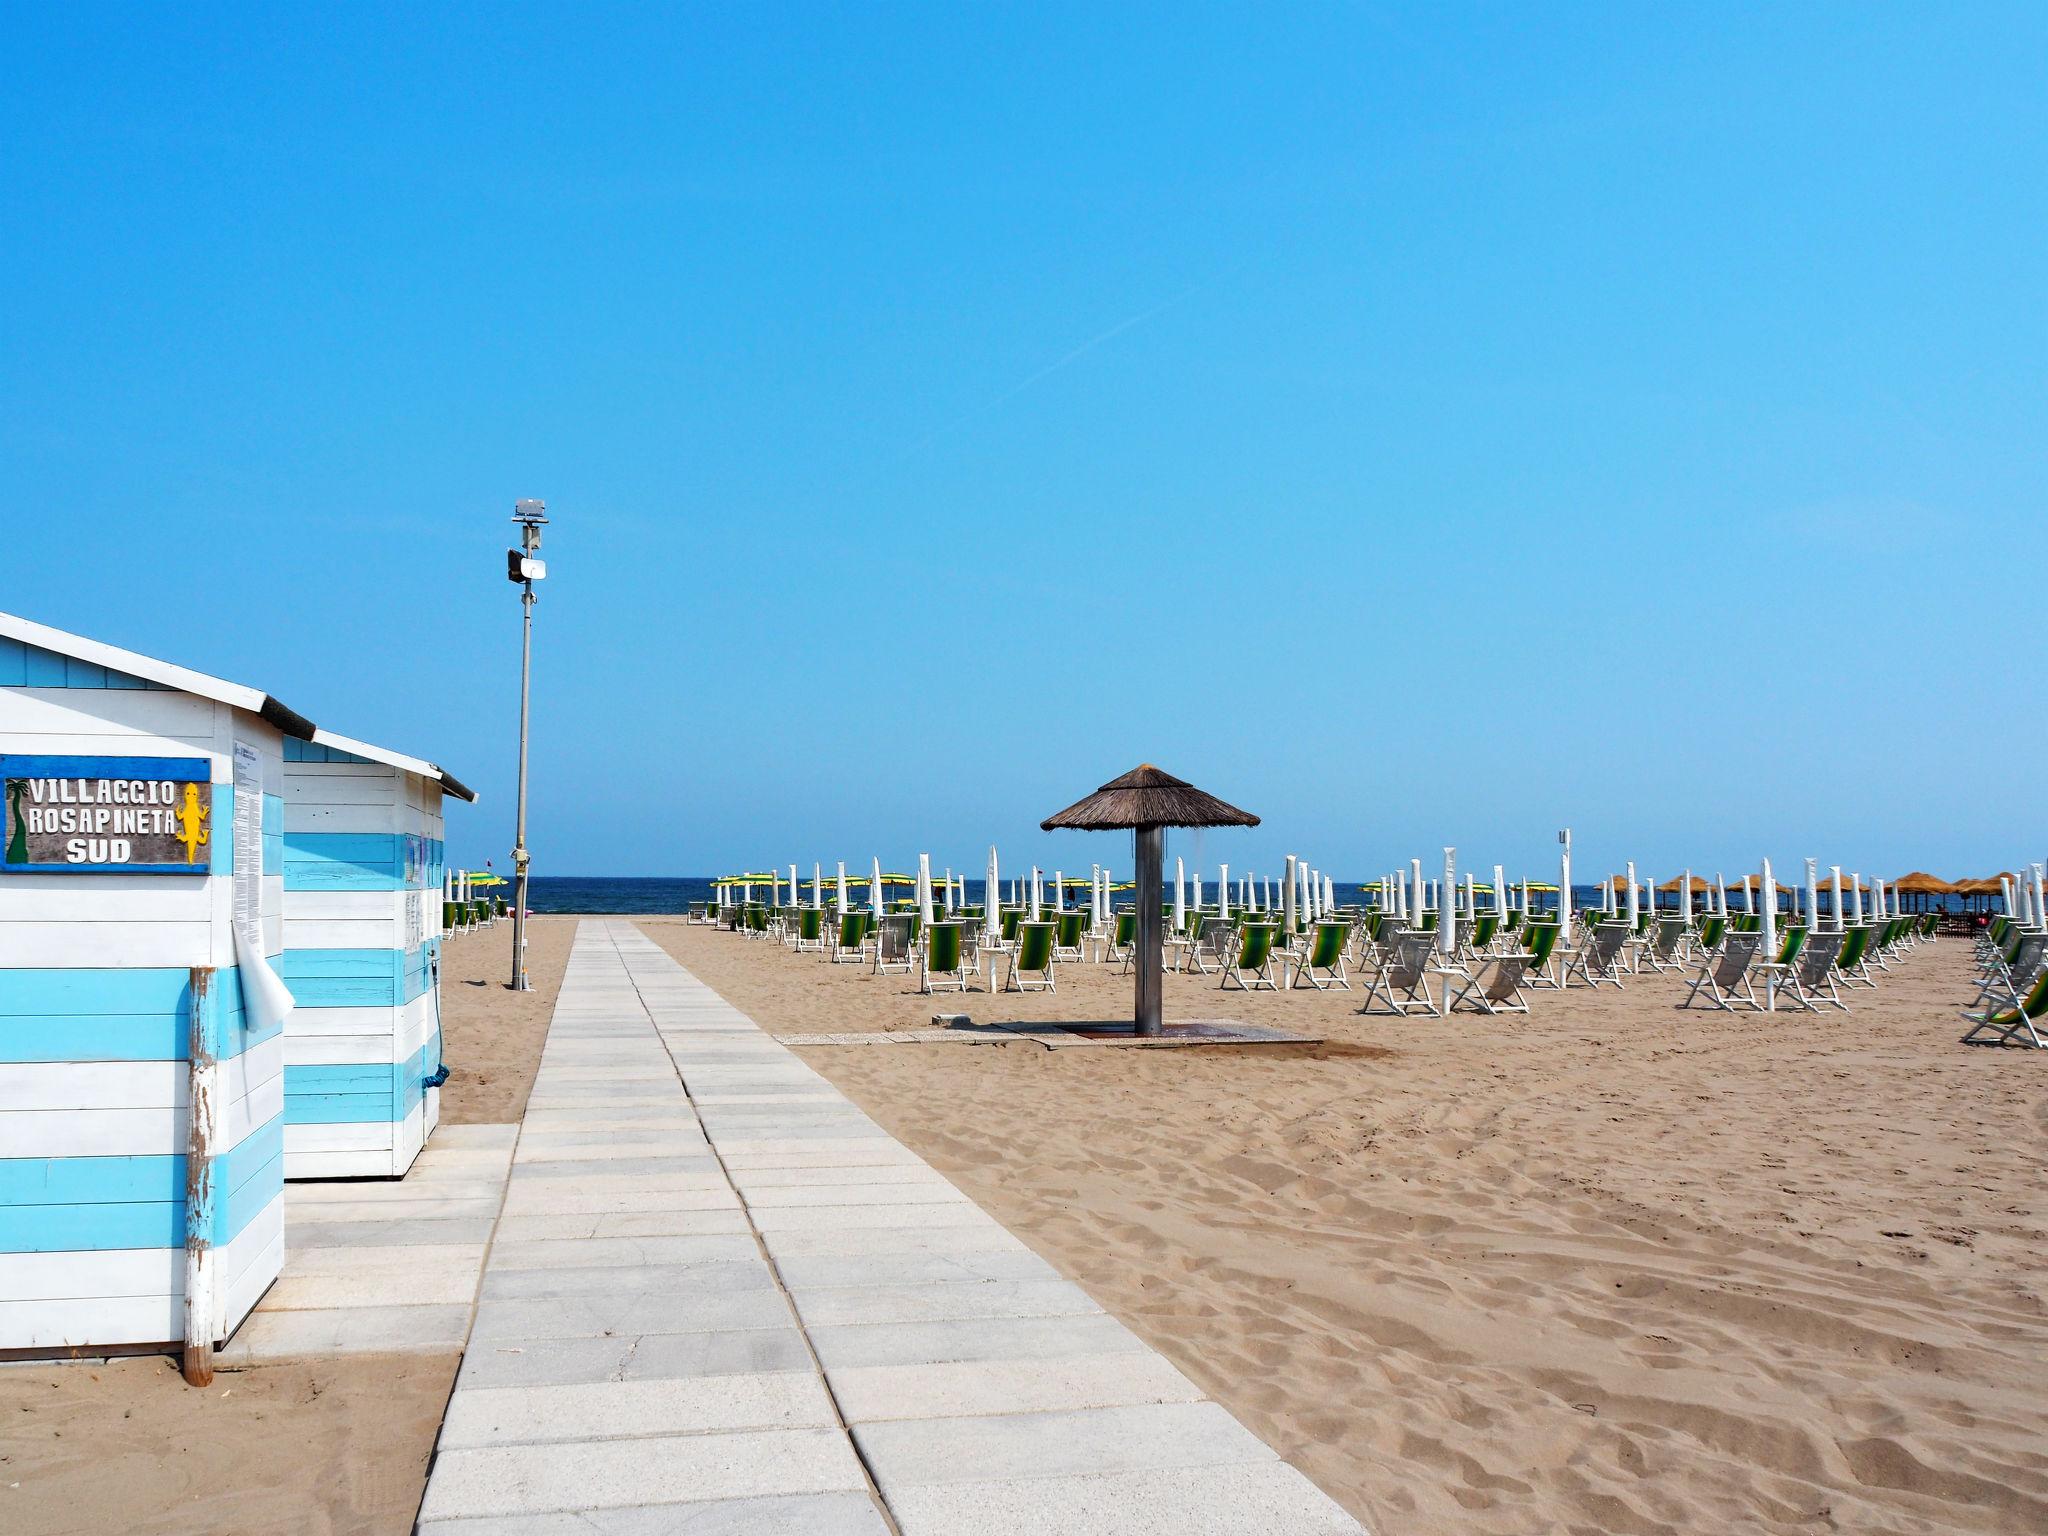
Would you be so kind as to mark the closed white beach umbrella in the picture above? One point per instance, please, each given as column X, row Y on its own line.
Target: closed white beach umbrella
column 1720, row 896
column 2039, row 879
column 1770, row 913
column 1685, row 898
column 1749, row 894
column 796, row 898
column 1812, row 892
column 843, row 897
column 1195, row 891
column 1564, row 886
column 1446, row 921
column 1287, row 896
column 992, row 902
column 1415, row 868
column 1180, row 894
column 1856, row 898
column 1329, row 894
column 1500, row 893
column 1059, row 890
column 1037, row 894
column 1223, row 891
column 875, row 889
column 1635, row 898
column 924, row 889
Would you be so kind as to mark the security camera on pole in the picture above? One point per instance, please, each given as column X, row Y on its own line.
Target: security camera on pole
column 523, row 566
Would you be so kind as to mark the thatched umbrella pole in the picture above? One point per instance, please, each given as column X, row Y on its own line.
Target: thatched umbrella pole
column 1151, row 929
column 1146, row 802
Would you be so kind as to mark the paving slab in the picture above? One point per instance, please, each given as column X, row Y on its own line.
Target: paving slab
column 605, row 1410
column 348, row 1331
column 615, row 1474
column 1017, row 1338
column 591, row 1252
column 817, row 1514
column 1268, row 1499
column 994, row 1448
column 985, row 1387
column 678, row 1283
column 635, row 1357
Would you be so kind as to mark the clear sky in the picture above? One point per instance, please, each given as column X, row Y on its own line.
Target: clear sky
column 1416, row 424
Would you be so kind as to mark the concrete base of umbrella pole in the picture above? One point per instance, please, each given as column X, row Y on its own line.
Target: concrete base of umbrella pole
column 1151, row 938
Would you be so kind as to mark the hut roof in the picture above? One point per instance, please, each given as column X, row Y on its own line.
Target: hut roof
column 1698, row 883
column 95, row 653
column 1148, row 797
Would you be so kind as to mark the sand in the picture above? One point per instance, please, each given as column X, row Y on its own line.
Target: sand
column 491, row 1036
column 1614, row 1268
column 315, row 1447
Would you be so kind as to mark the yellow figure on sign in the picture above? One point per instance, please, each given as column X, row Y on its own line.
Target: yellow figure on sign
column 191, row 830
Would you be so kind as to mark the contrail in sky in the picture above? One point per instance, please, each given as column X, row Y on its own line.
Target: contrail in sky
column 1053, row 367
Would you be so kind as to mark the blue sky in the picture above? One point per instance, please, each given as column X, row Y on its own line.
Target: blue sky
column 1416, row 424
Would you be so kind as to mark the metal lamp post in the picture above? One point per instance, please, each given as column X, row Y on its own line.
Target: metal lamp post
column 523, row 567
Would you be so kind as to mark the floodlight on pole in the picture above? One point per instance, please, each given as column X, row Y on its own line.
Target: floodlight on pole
column 523, row 565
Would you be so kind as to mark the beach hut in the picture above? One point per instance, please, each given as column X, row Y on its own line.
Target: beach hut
column 1145, row 802
column 141, row 1018
column 364, row 850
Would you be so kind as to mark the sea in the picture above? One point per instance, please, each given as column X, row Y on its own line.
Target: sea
column 578, row 893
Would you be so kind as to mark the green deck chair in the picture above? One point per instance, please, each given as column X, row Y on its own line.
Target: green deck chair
column 1540, row 939
column 1067, row 944
column 849, row 940
column 1123, row 937
column 1251, row 959
column 1325, row 955
column 1031, row 961
column 2005, row 1026
column 810, row 929
column 946, row 967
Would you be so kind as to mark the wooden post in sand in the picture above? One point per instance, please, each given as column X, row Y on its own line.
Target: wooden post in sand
column 204, row 1107
column 1151, row 843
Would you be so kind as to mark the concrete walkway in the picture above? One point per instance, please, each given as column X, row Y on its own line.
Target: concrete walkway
column 722, row 1300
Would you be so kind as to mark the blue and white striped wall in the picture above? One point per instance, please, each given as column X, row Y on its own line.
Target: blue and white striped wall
column 362, row 842
column 95, row 1004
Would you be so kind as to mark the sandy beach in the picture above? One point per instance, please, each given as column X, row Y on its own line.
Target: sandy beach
column 1611, row 1268
column 301, row 1448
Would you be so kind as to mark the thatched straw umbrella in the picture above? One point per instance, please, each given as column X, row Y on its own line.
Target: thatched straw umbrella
column 1923, row 885
column 1146, row 801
